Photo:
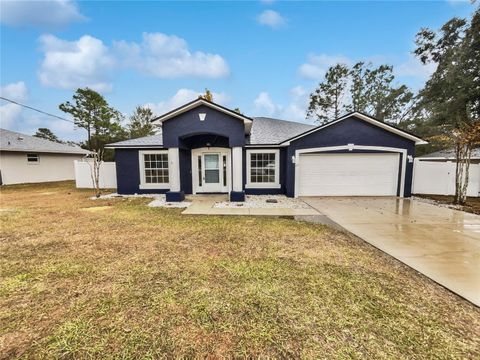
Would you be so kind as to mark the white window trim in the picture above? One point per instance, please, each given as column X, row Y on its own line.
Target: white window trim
column 141, row 159
column 274, row 185
column 33, row 162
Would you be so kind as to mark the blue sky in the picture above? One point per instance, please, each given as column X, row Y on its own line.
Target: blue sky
column 264, row 57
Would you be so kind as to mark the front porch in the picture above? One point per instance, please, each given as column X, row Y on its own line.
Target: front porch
column 205, row 164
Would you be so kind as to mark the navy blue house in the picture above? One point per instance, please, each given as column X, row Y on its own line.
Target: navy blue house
column 206, row 148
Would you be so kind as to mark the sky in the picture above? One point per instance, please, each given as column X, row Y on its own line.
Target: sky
column 264, row 57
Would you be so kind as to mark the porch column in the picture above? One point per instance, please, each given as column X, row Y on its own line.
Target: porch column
column 237, row 193
column 175, row 193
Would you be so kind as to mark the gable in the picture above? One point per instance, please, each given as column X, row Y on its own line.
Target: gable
column 364, row 119
column 352, row 131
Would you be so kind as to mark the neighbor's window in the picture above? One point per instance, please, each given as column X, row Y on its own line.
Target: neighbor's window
column 263, row 168
column 33, row 158
column 156, row 168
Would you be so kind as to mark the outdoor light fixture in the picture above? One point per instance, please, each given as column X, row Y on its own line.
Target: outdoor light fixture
column 410, row 158
column 293, row 159
column 350, row 147
column 202, row 116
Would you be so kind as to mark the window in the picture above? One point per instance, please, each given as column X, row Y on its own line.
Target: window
column 154, row 168
column 33, row 158
column 263, row 168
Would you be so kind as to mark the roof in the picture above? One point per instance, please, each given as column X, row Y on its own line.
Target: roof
column 201, row 101
column 448, row 154
column 269, row 131
column 265, row 131
column 143, row 142
column 274, row 131
column 366, row 118
column 14, row 141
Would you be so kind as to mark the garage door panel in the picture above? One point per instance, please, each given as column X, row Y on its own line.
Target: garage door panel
column 348, row 174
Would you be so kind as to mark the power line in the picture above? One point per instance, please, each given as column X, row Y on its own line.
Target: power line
column 37, row 110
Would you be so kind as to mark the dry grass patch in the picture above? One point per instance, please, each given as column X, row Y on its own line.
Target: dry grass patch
column 137, row 282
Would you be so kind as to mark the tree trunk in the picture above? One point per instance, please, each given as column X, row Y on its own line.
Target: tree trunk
column 463, row 154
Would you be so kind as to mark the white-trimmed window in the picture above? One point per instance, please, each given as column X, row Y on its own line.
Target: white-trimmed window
column 154, row 169
column 263, row 168
column 33, row 158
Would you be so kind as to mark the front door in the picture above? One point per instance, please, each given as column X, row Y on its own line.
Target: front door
column 211, row 170
column 211, row 173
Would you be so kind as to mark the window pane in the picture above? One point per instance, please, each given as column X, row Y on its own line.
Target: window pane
column 212, row 176
column 156, row 168
column 262, row 167
column 211, row 161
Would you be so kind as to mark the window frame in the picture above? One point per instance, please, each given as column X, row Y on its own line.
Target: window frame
column 143, row 182
column 263, row 185
column 36, row 162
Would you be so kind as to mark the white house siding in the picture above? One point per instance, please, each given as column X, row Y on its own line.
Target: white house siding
column 52, row 167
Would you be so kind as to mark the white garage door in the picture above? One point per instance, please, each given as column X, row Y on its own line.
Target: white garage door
column 348, row 174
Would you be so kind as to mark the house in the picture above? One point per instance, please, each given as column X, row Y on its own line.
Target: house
column 206, row 148
column 449, row 155
column 28, row 159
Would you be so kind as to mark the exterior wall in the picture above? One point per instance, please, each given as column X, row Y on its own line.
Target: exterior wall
column 83, row 175
column 52, row 167
column 349, row 131
column 216, row 122
column 282, row 177
column 128, row 173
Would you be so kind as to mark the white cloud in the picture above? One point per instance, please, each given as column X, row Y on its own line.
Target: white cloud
column 183, row 96
column 10, row 113
column 295, row 110
column 43, row 14
column 168, row 56
column 72, row 64
column 317, row 65
column 271, row 18
column 413, row 67
column 264, row 104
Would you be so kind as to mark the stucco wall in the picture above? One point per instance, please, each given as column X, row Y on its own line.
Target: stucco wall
column 51, row 167
column 350, row 131
column 216, row 122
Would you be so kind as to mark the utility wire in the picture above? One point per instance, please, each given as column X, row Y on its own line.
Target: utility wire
column 37, row 110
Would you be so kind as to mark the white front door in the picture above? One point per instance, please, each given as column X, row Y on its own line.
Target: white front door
column 211, row 170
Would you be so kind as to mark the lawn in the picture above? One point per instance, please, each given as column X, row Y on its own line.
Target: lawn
column 117, row 279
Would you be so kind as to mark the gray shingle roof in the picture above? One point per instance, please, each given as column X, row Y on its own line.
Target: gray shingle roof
column 14, row 141
column 154, row 140
column 264, row 131
column 273, row 131
column 449, row 154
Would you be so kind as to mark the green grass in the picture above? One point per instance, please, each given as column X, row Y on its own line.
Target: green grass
column 136, row 282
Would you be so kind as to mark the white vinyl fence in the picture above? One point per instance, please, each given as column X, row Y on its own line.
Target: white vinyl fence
column 83, row 177
column 438, row 178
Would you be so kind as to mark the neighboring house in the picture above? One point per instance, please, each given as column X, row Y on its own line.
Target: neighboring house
column 207, row 148
column 28, row 159
column 449, row 155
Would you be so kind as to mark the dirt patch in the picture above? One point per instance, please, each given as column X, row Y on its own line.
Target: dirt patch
column 472, row 205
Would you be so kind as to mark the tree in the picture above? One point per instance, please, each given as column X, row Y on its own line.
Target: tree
column 141, row 123
column 451, row 97
column 373, row 92
column 207, row 96
column 327, row 101
column 47, row 134
column 91, row 111
column 360, row 88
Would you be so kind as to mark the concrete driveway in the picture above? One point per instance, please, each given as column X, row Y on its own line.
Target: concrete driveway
column 441, row 243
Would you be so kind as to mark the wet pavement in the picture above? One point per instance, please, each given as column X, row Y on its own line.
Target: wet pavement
column 441, row 243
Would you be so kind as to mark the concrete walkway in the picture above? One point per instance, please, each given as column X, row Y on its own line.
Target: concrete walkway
column 441, row 243
column 203, row 205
